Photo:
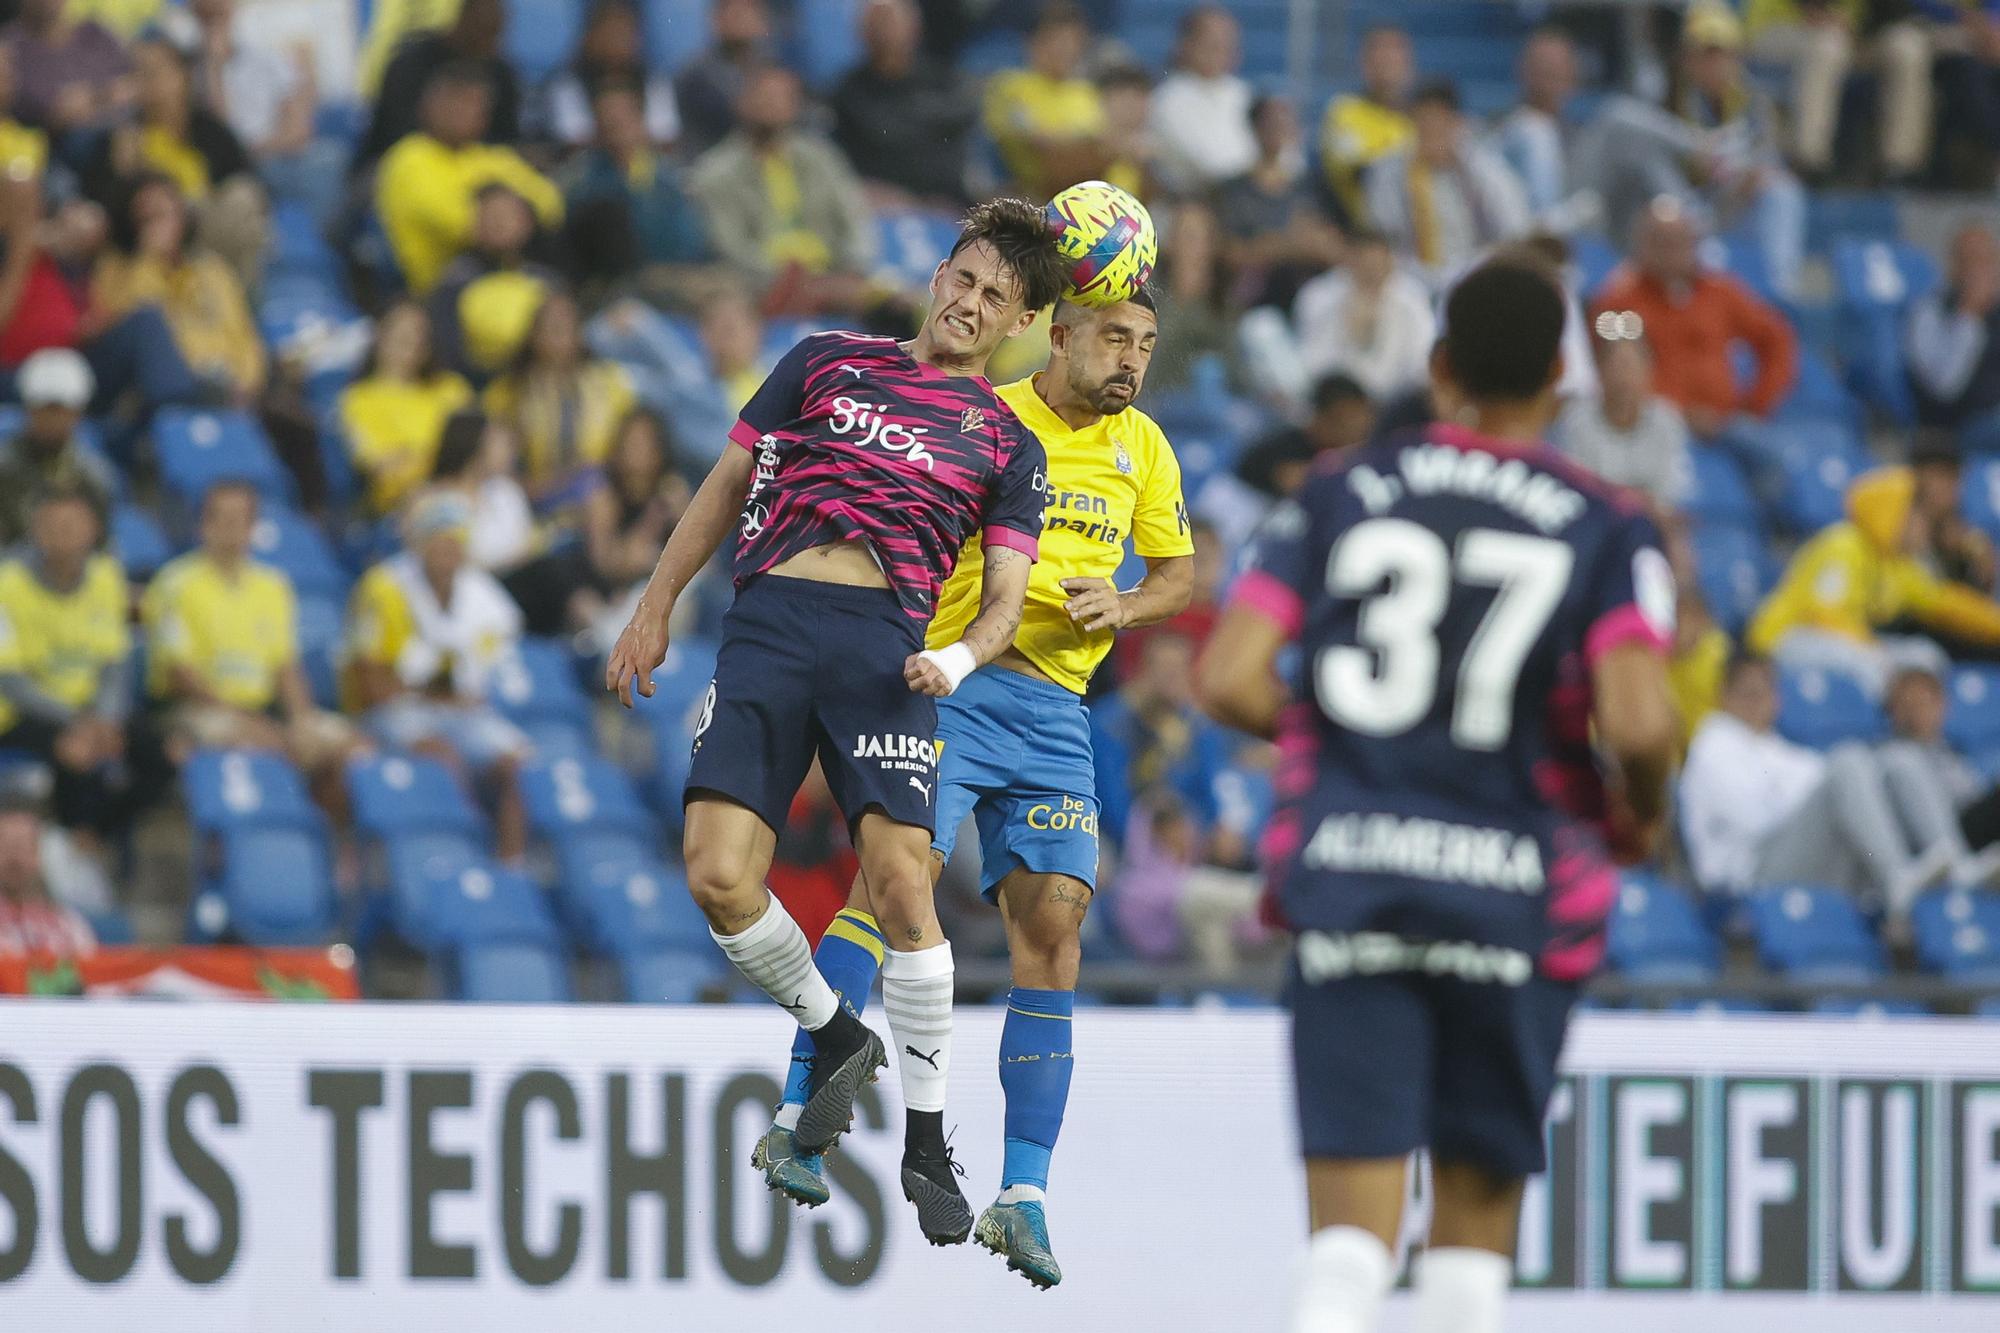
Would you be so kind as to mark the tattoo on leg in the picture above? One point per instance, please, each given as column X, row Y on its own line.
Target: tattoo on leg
column 915, row 934
column 1074, row 894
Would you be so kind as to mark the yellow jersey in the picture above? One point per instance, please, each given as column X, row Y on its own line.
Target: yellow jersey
column 1111, row 482
column 236, row 635
column 426, row 193
column 393, row 429
column 1023, row 106
column 1357, row 133
column 62, row 641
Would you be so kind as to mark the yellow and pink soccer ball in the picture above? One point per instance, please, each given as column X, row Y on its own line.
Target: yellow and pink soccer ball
column 1107, row 239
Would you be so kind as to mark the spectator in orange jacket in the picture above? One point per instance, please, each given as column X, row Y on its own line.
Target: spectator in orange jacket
column 1691, row 315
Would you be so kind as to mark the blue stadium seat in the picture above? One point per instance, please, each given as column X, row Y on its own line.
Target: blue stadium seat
column 111, row 927
column 444, row 892
column 670, row 976
column 1859, row 215
column 826, row 40
column 396, row 794
column 302, row 303
column 1979, row 494
column 1972, row 717
column 680, row 689
column 570, row 796
column 292, row 543
column 1875, row 281
column 1814, row 934
column 1735, row 571
column 1824, row 708
column 1818, row 394
column 510, row 972
column 1867, row 1007
column 1719, row 1006
column 1593, row 257
column 1820, row 463
column 275, row 888
column 540, row 36
column 913, row 242
column 676, row 31
column 540, row 681
column 320, row 628
column 139, row 542
column 196, row 449
column 618, row 897
column 1957, row 934
column 1657, row 935
column 1719, row 493
column 234, row 789
column 297, row 244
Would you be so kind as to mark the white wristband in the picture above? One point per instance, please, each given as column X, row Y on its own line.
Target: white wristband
column 955, row 660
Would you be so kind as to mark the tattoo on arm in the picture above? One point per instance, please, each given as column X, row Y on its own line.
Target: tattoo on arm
column 993, row 630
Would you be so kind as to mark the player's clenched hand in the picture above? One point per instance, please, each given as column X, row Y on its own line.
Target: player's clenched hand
column 924, row 677
column 1094, row 603
column 640, row 648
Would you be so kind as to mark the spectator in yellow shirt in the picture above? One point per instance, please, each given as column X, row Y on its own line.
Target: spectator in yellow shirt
column 1048, row 119
column 64, row 657
column 564, row 404
column 1363, row 128
column 223, row 634
column 155, row 264
column 428, row 184
column 394, row 412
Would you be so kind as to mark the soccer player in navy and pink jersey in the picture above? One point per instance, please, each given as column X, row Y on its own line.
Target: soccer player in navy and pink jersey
column 1468, row 608
column 864, row 465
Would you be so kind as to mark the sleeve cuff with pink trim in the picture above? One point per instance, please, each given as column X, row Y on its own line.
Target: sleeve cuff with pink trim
column 1027, row 543
column 745, row 434
column 1621, row 625
column 1272, row 598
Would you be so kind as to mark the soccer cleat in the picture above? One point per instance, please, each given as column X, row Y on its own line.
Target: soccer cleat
column 847, row 1053
column 929, row 1182
column 1019, row 1233
column 797, row 1176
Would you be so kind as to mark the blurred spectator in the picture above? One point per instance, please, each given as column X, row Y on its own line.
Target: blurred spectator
column 1169, row 895
column 630, row 214
column 700, row 385
column 1817, row 40
column 269, row 96
column 1626, row 433
column 394, row 411
column 155, row 263
column 1950, row 347
column 478, row 459
column 732, row 337
column 783, row 206
column 69, row 75
column 1700, row 655
column 1276, row 229
column 1873, row 573
column 426, row 631
column 1195, row 620
column 482, row 305
column 123, row 19
column 428, row 186
column 627, row 520
column 1445, row 198
column 1363, row 128
column 24, row 150
column 903, row 120
column 612, row 51
column 45, row 453
column 32, row 919
column 1916, row 703
column 1369, row 319
column 174, row 137
column 1343, row 416
column 1131, row 145
column 223, row 645
column 710, row 88
column 472, row 45
column 65, row 657
column 1758, row 810
column 1201, row 110
column 1966, row 34
column 1534, row 138
column 1692, row 316
column 1188, row 289
column 1048, row 119
column 1714, row 146
column 1150, row 735
column 564, row 405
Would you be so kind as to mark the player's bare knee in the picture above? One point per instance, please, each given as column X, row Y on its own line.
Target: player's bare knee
column 1045, row 928
column 720, row 882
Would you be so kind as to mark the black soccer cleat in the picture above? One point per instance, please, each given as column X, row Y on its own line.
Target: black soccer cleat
column 930, row 1182
column 846, row 1055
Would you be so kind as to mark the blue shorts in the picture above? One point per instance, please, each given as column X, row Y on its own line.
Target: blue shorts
column 1422, row 1052
column 811, row 668
column 1016, row 756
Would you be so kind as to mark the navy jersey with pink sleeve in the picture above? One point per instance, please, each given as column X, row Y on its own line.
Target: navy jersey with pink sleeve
column 854, row 439
column 1448, row 595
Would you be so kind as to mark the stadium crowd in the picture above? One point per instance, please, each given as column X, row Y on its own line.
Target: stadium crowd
column 345, row 418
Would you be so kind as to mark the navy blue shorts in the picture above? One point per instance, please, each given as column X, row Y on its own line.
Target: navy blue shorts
column 811, row 668
column 1395, row 1056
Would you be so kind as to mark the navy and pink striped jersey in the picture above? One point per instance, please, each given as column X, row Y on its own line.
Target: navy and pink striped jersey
column 1448, row 595
column 856, row 440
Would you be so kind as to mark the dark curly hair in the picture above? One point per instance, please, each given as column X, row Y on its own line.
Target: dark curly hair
column 1017, row 230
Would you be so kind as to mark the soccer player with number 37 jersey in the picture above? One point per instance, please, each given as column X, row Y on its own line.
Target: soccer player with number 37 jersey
column 1480, row 721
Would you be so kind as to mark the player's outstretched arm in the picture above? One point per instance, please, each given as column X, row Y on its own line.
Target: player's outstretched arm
column 1638, row 730
column 1236, row 676
column 1002, row 588
column 643, row 644
column 1161, row 595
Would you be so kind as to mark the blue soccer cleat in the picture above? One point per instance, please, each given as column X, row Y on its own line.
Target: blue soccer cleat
column 797, row 1176
column 1019, row 1233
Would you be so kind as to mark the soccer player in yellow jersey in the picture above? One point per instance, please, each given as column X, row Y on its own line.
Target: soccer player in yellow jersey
column 1015, row 742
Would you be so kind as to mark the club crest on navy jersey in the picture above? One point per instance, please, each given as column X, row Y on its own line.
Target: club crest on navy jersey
column 972, row 420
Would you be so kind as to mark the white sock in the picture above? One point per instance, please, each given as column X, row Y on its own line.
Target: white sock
column 774, row 956
column 916, row 995
column 1460, row 1290
column 1347, row 1275
column 1021, row 1194
column 788, row 1115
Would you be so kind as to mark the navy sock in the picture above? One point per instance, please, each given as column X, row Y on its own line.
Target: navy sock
column 849, row 956
column 1035, row 1067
